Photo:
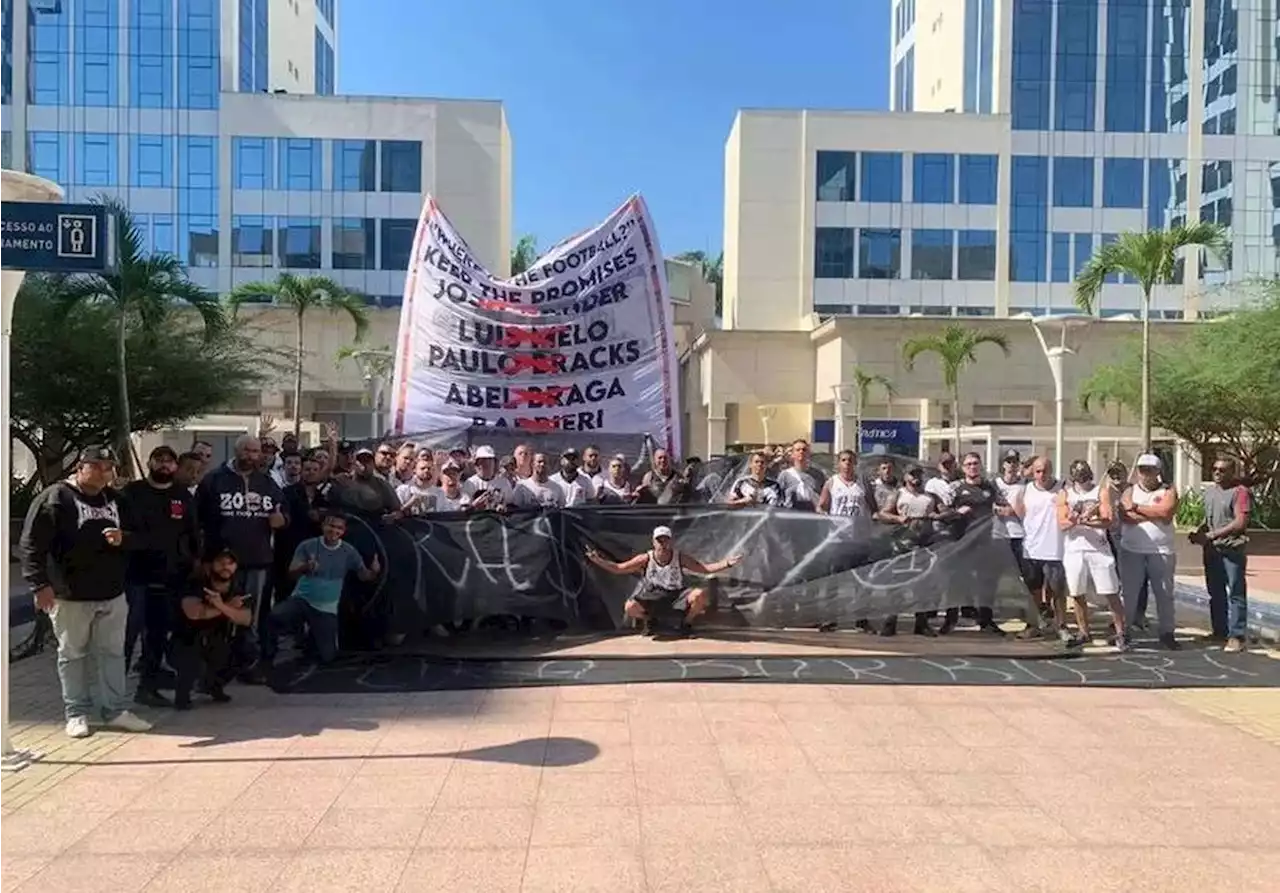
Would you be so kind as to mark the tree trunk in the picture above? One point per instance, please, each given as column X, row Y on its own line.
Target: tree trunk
column 955, row 408
column 297, row 382
column 1146, row 371
column 126, row 418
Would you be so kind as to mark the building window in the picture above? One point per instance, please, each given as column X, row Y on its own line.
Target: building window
column 826, row 311
column 931, row 255
column 163, row 240
column 879, row 253
column 1004, row 414
column 354, row 164
column 198, row 162
column 1077, row 65
column 96, row 52
column 300, row 164
column 836, row 176
column 354, row 244
column 151, row 54
column 198, row 54
column 1032, row 52
column 881, row 177
column 1072, row 182
column 401, row 166
column 1028, row 232
column 300, row 243
column 833, row 252
column 975, row 311
column 1083, row 252
column 325, row 74
column 1060, row 258
column 1126, row 90
column 48, row 155
column 933, row 179
column 879, row 310
column 978, row 179
column 397, row 243
column 198, row 240
column 48, row 53
column 255, row 61
column 96, row 160
column 976, row 255
column 1122, row 182
column 251, row 241
column 928, row 310
column 151, row 160
column 905, row 82
column 325, row 8
column 251, row 162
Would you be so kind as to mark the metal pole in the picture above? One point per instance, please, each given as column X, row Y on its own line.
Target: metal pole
column 1055, row 357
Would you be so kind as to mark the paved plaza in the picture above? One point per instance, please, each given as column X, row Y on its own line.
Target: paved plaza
column 670, row 787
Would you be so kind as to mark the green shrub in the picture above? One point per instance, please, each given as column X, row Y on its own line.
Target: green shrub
column 1190, row 514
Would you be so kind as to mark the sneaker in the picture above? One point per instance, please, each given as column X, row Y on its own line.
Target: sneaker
column 991, row 629
column 182, row 702
column 78, row 727
column 218, row 696
column 927, row 631
column 1169, row 643
column 946, row 628
column 149, row 697
column 1029, row 632
column 1234, row 646
column 126, row 721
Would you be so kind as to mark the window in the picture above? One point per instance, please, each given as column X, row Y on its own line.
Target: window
column 300, row 243
column 1165, row 179
column 1028, row 236
column 354, row 244
column 198, row 53
column 1122, row 182
column 47, row 155
column 879, row 310
column 163, row 240
column 976, row 255
column 48, row 53
column 151, row 54
column 833, row 252
column 325, row 74
column 933, row 179
column 151, row 160
column 96, row 53
column 931, row 254
column 198, row 162
column 254, row 46
column 826, row 311
column 836, row 176
column 975, row 311
column 251, row 241
column 300, row 162
column 1003, row 414
column 881, row 177
column 1126, row 93
column 198, row 240
column 1032, row 52
column 1073, row 182
column 904, row 80
column 1060, row 258
column 354, row 163
column 96, row 160
column 978, row 175
column 1083, row 251
column 252, row 162
column 879, row 253
column 325, row 8
column 1077, row 65
column 401, row 166
column 929, row 310
column 397, row 243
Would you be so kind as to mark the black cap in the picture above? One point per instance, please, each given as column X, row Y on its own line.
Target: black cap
column 570, row 453
column 344, row 446
column 1012, row 455
column 225, row 552
column 96, row 454
column 164, row 452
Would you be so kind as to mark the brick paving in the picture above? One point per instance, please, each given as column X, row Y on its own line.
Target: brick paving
column 672, row 787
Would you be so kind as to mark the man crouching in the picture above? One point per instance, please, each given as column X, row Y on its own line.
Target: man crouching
column 203, row 638
column 664, row 589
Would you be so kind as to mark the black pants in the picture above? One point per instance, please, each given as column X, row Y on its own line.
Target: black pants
column 150, row 606
column 203, row 656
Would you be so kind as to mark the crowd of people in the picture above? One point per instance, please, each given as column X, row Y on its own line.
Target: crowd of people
column 202, row 568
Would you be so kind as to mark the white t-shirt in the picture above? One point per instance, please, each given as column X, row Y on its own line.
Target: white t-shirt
column 1147, row 537
column 499, row 486
column 529, row 493
column 1083, row 538
column 1009, row 528
column 577, row 491
column 1043, row 537
column 407, row 492
column 609, row 493
column 944, row 490
column 434, row 499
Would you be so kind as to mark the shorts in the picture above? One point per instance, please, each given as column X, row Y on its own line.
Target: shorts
column 1085, row 569
column 1020, row 558
column 655, row 599
column 1048, row 573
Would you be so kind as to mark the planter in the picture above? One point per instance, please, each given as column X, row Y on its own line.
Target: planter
column 1261, row 542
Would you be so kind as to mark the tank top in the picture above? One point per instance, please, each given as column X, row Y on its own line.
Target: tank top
column 1148, row 537
column 1009, row 528
column 1081, row 538
column 848, row 499
column 1042, row 538
column 610, row 493
column 913, row 506
column 669, row 576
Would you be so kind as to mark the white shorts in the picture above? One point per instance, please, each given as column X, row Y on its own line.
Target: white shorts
column 1085, row 568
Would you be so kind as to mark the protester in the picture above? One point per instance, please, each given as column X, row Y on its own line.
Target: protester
column 844, row 496
column 1118, row 480
column 944, row 485
column 1227, row 504
column 1043, row 544
column 290, row 467
column 884, row 492
column 654, row 483
column 72, row 554
column 1084, row 514
column 417, row 495
column 272, row 463
column 305, row 504
column 540, row 490
column 368, row 490
column 188, row 473
column 591, row 464
column 384, row 462
column 800, row 484
column 914, row 510
column 165, row 515
column 450, row 496
column 577, row 487
column 973, row 497
column 614, row 487
column 1008, row 509
column 756, row 488
column 204, row 633
column 507, row 471
column 665, row 588
column 204, row 450
column 1147, row 552
column 405, row 462
column 487, row 489
column 523, row 455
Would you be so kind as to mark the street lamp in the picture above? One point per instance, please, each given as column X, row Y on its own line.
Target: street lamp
column 375, row 366
column 844, row 394
column 1058, row 334
column 766, row 414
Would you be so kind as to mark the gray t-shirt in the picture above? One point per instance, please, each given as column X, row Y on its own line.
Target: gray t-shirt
column 322, row 587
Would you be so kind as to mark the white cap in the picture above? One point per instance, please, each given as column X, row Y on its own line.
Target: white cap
column 661, row 531
column 1149, row 460
column 485, row 452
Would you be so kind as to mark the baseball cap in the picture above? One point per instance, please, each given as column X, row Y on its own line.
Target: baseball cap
column 1149, row 460
column 660, row 531
column 485, row 452
column 570, row 453
column 451, row 465
column 364, row 451
column 225, row 552
column 1012, row 455
column 164, row 452
column 96, row 454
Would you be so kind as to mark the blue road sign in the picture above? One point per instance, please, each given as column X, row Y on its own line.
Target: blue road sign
column 49, row 237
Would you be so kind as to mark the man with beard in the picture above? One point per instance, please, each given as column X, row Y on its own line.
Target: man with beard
column 591, row 464
column 290, row 469
column 657, row 478
column 487, row 489
column 305, row 503
column 578, row 488
column 166, row 518
column 801, row 484
column 406, row 457
column 211, row 612
column 417, row 495
column 540, row 489
column 367, row 490
column 884, row 492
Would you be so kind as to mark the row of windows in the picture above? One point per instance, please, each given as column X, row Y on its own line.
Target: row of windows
column 359, row 243
column 326, row 76
column 944, row 254
column 254, row 46
column 325, row 8
column 937, row 179
column 829, row 310
column 92, row 159
column 296, row 164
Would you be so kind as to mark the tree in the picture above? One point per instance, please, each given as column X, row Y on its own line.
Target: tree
column 524, row 254
column 376, row 365
column 176, row 370
column 955, row 348
column 143, row 289
column 712, row 271
column 300, row 295
column 1151, row 258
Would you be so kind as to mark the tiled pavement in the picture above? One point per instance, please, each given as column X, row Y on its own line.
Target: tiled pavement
column 690, row 787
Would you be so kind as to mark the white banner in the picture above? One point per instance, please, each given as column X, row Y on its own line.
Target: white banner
column 581, row 342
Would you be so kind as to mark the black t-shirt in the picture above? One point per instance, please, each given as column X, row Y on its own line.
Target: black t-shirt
column 978, row 497
column 766, row 492
column 187, row 629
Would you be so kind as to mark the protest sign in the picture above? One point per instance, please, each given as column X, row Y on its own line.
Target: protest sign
column 581, row 342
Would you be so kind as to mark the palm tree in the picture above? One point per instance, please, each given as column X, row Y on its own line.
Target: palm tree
column 863, row 382
column 956, row 348
column 524, row 254
column 301, row 294
column 712, row 271
column 1149, row 257
column 143, row 288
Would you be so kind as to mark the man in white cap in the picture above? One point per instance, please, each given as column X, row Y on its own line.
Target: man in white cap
column 665, row 586
column 1147, row 553
column 486, row 488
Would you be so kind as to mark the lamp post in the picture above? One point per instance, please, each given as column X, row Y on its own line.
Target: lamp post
column 766, row 414
column 374, row 365
column 845, row 393
column 1058, row 335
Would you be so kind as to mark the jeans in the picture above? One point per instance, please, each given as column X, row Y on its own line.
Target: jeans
column 1224, row 577
column 149, row 619
column 1138, row 569
column 291, row 616
column 91, row 655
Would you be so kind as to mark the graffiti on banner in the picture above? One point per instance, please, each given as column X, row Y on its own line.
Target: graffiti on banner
column 580, row 342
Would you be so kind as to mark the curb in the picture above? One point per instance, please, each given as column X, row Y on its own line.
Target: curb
column 1264, row 616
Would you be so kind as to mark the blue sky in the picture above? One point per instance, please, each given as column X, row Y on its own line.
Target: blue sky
column 605, row 98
